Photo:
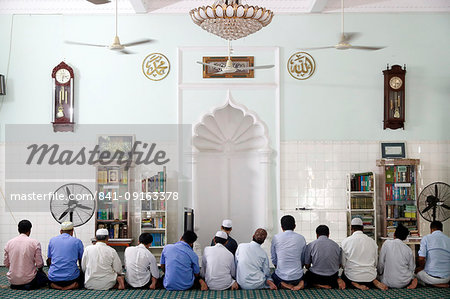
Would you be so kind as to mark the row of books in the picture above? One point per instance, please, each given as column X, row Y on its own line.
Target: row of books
column 115, row 211
column 367, row 218
column 361, row 203
column 400, row 174
column 401, row 211
column 159, row 239
column 115, row 230
column 154, row 222
column 112, row 176
column 154, row 183
column 399, row 191
column 361, row 182
column 159, row 204
column 413, row 231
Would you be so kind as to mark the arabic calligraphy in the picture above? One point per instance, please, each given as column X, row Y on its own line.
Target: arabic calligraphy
column 301, row 65
column 156, row 66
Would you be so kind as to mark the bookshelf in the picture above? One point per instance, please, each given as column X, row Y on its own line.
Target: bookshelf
column 399, row 201
column 361, row 194
column 154, row 211
column 113, row 208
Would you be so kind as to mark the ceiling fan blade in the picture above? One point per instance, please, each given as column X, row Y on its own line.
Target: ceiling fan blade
column 96, row 2
column 125, row 51
column 348, row 36
column 445, row 206
column 256, row 67
column 211, row 65
column 427, row 209
column 316, row 48
column 139, row 42
column 84, row 44
column 83, row 207
column 64, row 214
column 366, row 48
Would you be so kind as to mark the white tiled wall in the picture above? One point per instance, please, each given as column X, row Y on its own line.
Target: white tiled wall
column 313, row 176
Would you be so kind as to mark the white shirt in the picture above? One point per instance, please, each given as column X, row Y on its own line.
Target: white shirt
column 140, row 265
column 218, row 267
column 252, row 266
column 396, row 264
column 288, row 251
column 359, row 257
column 100, row 264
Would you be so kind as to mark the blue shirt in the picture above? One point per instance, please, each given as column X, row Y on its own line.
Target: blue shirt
column 252, row 266
column 325, row 256
column 288, row 251
column 64, row 251
column 435, row 248
column 181, row 264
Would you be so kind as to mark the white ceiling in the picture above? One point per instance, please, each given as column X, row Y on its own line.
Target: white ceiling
column 71, row 7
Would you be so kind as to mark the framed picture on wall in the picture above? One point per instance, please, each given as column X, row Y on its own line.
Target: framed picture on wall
column 113, row 176
column 393, row 150
column 238, row 61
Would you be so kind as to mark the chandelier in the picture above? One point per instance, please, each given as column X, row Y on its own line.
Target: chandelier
column 231, row 20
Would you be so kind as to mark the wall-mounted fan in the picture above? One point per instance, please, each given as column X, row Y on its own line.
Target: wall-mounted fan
column 74, row 203
column 116, row 45
column 229, row 68
column 346, row 37
column 434, row 202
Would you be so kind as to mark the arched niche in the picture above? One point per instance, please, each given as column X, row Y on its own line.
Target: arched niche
column 231, row 173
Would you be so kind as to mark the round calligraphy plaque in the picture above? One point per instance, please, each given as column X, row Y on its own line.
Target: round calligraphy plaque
column 301, row 65
column 156, row 66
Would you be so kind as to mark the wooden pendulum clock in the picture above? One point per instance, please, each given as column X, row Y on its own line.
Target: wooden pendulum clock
column 394, row 97
column 63, row 114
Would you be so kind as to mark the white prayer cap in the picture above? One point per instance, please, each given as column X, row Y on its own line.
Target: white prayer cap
column 357, row 221
column 227, row 223
column 102, row 232
column 222, row 234
column 67, row 225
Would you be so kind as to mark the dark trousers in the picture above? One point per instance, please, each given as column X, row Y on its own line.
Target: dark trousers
column 348, row 282
column 277, row 280
column 66, row 283
column 39, row 281
column 312, row 278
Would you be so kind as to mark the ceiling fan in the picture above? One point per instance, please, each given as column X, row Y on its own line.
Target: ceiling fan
column 116, row 45
column 346, row 37
column 229, row 68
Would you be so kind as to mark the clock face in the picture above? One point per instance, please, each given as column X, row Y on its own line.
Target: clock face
column 395, row 82
column 62, row 76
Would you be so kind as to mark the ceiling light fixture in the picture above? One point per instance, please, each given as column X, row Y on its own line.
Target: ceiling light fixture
column 231, row 20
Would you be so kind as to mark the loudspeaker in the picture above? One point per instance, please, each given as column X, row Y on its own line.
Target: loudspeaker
column 188, row 219
column 2, row 85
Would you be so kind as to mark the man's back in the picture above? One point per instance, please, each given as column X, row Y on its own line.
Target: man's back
column 181, row 263
column 287, row 252
column 140, row 265
column 325, row 256
column 359, row 257
column 64, row 252
column 22, row 257
column 252, row 266
column 231, row 244
column 435, row 247
column 218, row 267
column 100, row 264
column 396, row 264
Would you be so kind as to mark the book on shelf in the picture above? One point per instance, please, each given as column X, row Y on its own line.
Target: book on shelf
column 361, row 202
column 361, row 182
column 159, row 239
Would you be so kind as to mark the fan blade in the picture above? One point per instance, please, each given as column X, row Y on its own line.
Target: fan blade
column 256, row 67
column 84, row 44
column 68, row 192
column 348, row 36
column 436, row 191
column 64, row 214
column 124, row 51
column 99, row 1
column 211, row 65
column 139, row 42
column 366, row 48
column 445, row 206
column 83, row 207
column 316, row 48
column 427, row 208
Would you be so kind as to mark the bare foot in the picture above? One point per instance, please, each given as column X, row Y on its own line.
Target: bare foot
column 55, row 286
column 413, row 284
column 271, row 285
column 71, row 286
column 286, row 286
column 322, row 286
column 441, row 285
column 341, row 284
column 203, row 285
column 360, row 286
column 121, row 282
column 235, row 286
column 380, row 285
column 300, row 286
